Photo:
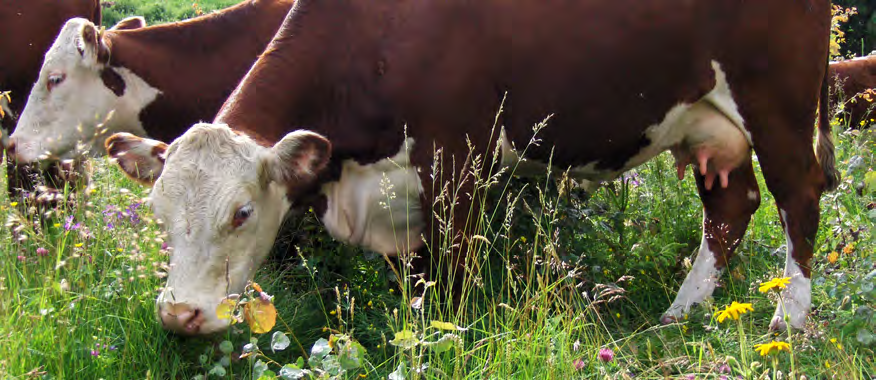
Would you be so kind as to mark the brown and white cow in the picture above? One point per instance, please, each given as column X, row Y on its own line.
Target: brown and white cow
column 153, row 81
column 345, row 81
column 28, row 28
column 854, row 77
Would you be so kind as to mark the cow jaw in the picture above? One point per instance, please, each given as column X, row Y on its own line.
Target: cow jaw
column 77, row 98
column 222, row 198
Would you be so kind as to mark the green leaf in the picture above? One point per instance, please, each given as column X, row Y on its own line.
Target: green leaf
column 226, row 347
column 268, row 375
column 300, row 362
column 217, row 371
column 279, row 341
column 291, row 372
column 405, row 339
column 399, row 373
column 258, row 369
column 319, row 351
column 445, row 343
column 870, row 182
column 351, row 355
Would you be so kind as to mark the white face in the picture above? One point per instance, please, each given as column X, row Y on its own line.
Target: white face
column 222, row 198
column 75, row 92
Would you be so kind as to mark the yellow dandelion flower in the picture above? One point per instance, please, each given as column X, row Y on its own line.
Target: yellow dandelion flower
column 827, row 364
column 78, row 245
column 333, row 312
column 832, row 257
column 776, row 283
column 766, row 348
column 833, row 340
column 13, row 204
column 734, row 310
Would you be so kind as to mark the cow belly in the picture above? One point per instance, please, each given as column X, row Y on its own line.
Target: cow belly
column 709, row 133
column 376, row 206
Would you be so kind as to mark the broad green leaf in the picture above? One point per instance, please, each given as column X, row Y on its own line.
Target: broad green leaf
column 319, row 350
column 279, row 341
column 217, row 371
column 399, row 373
column 226, row 347
column 405, row 339
column 870, row 182
column 291, row 372
column 446, row 326
column 258, row 369
column 445, row 343
column 350, row 355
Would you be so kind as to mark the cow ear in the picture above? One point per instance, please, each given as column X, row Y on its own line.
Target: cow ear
column 140, row 159
column 298, row 158
column 134, row 22
column 92, row 46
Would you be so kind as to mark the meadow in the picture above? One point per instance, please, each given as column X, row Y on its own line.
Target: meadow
column 565, row 284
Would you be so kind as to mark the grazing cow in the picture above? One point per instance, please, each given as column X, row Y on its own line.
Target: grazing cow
column 344, row 83
column 28, row 28
column 154, row 81
column 855, row 76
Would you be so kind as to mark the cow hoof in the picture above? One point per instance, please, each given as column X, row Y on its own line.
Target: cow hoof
column 668, row 319
column 777, row 324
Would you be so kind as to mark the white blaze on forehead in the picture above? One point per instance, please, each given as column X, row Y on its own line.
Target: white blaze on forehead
column 699, row 283
column 797, row 295
column 377, row 205
column 210, row 172
column 63, row 121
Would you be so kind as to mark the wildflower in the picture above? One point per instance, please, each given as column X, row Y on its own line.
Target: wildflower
column 78, row 245
column 849, row 249
column 13, row 204
column 833, row 257
column 21, row 258
column 766, row 348
column 578, row 364
column 779, row 283
column 42, row 251
column 724, row 368
column 69, row 226
column 95, row 353
column 576, row 346
column 164, row 246
column 734, row 310
column 827, row 364
column 606, row 355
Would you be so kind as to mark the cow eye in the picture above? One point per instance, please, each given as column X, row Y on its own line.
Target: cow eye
column 55, row 80
column 241, row 215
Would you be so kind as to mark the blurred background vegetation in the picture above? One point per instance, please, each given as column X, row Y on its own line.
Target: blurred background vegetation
column 861, row 28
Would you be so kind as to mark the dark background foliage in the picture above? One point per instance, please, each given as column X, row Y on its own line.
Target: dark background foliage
column 861, row 28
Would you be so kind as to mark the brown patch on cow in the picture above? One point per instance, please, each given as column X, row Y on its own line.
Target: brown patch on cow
column 158, row 152
column 113, row 81
column 135, row 22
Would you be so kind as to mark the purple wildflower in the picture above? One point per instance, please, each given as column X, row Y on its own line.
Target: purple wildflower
column 42, row 251
column 578, row 364
column 21, row 258
column 112, row 348
column 606, row 355
column 164, row 245
column 95, row 353
column 724, row 368
column 69, row 226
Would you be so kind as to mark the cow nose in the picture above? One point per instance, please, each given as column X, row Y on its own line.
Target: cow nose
column 180, row 318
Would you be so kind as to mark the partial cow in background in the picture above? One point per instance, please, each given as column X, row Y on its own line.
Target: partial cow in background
column 378, row 81
column 27, row 29
column 856, row 79
column 153, row 81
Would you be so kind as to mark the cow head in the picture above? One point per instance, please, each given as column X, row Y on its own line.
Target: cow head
column 79, row 96
column 221, row 198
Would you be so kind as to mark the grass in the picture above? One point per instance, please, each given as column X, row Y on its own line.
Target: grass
column 564, row 274
column 570, row 285
column 158, row 12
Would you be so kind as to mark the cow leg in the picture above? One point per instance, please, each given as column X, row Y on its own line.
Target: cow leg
column 726, row 213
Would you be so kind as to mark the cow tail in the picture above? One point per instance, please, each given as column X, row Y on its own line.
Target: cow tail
column 824, row 149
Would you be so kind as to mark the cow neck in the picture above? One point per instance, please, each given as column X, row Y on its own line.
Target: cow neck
column 305, row 79
column 195, row 63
